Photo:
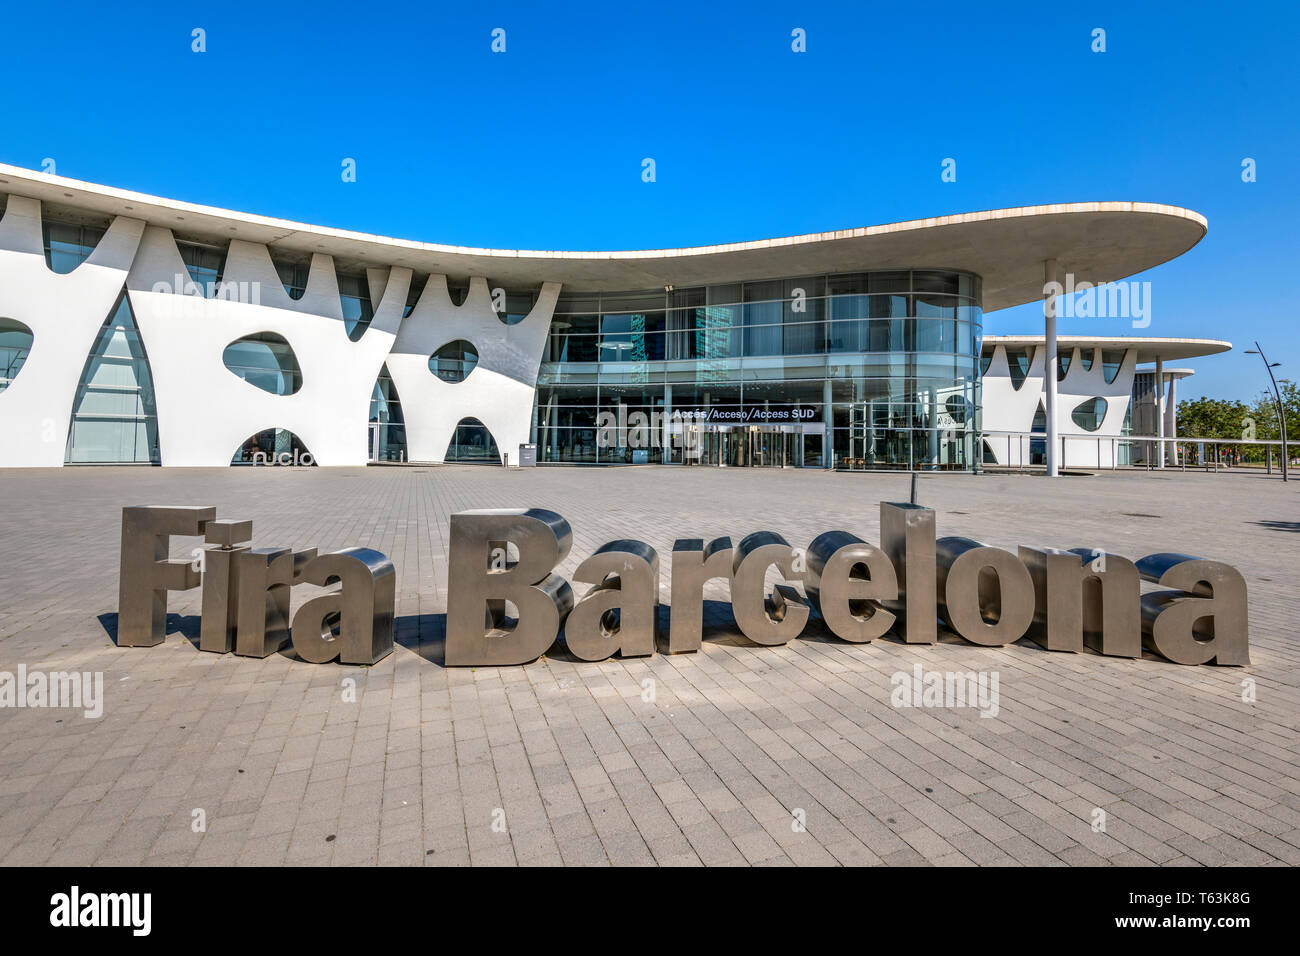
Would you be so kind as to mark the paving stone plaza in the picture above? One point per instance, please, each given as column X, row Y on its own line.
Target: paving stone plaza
column 738, row 754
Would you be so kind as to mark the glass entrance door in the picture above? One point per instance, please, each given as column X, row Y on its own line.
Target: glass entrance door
column 774, row 448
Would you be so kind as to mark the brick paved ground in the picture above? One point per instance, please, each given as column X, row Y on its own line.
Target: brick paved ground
column 586, row 772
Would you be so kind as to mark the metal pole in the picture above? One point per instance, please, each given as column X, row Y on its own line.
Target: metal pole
column 1281, row 411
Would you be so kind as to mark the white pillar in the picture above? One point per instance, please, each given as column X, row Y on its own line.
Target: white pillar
column 1171, row 418
column 828, row 418
column 1050, row 286
column 934, row 427
column 1160, row 410
column 665, row 431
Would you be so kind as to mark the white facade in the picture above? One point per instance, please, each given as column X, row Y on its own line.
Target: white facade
column 204, row 411
column 1014, row 405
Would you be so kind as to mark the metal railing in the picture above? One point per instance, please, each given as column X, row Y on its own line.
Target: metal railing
column 1027, row 451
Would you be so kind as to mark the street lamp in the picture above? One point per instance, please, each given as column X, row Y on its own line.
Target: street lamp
column 1281, row 411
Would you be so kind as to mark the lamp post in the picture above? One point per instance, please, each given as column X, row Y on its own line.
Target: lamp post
column 1277, row 396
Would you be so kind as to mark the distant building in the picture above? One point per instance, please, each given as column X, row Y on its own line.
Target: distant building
column 1103, row 394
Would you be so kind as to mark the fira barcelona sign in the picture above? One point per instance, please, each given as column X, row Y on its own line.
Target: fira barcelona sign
column 508, row 605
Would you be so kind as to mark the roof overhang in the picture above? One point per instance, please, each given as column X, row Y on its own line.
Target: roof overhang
column 1096, row 241
column 1148, row 349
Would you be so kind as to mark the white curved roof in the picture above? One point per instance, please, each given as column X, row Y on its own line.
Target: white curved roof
column 1096, row 241
column 1148, row 349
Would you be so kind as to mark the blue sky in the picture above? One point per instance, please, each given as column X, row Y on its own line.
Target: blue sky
column 541, row 147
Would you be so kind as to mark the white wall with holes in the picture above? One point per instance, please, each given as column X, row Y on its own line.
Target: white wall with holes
column 1007, row 408
column 206, row 412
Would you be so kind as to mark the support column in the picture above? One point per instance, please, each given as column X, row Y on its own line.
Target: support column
column 1050, row 288
column 1171, row 418
column 665, row 434
column 1160, row 411
column 828, row 418
column 934, row 427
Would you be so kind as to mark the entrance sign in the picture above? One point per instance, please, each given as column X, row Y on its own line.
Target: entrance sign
column 744, row 414
column 506, row 605
column 992, row 597
column 246, row 590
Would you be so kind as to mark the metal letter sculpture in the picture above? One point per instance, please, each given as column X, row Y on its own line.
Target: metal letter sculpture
column 907, row 536
column 477, row 591
column 146, row 573
column 362, row 609
column 1064, row 600
column 986, row 594
column 621, row 612
column 1084, row 597
column 766, row 621
column 1208, row 594
column 847, row 581
column 227, row 539
column 694, row 565
column 266, row 576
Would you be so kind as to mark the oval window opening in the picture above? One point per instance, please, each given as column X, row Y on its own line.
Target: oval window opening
column 264, row 360
column 15, row 345
column 1089, row 414
column 454, row 361
column 958, row 408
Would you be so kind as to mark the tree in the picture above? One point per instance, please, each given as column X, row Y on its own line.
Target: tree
column 1264, row 412
column 1218, row 418
column 1212, row 418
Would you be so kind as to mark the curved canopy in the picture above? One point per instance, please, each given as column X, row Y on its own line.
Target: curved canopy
column 1148, row 349
column 1096, row 241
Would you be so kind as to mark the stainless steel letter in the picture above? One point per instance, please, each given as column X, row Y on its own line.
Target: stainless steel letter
column 477, row 591
column 694, row 565
column 907, row 536
column 227, row 538
column 766, row 621
column 1084, row 597
column 146, row 574
column 1209, row 594
column 986, row 594
column 265, row 577
column 362, row 609
column 621, row 612
column 846, row 581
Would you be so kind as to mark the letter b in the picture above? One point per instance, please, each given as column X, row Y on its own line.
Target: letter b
column 477, row 592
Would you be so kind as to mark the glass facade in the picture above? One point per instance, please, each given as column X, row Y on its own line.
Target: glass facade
column 387, row 426
column 354, row 294
column 68, row 245
column 473, row 443
column 864, row 370
column 114, row 418
column 274, row 446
